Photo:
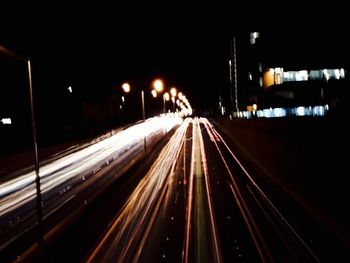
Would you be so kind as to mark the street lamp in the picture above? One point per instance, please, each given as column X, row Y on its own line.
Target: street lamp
column 126, row 87
column 166, row 97
column 173, row 93
column 154, row 93
column 158, row 85
column 34, row 140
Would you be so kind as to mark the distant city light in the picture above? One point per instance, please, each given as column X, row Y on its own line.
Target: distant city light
column 315, row 111
column 326, row 74
column 279, row 112
column 7, row 121
column 337, row 73
column 253, row 37
column 70, row 89
column 342, row 73
column 302, row 75
column 279, row 70
column 123, row 98
column 222, row 110
column 261, row 81
column 300, row 111
column 316, row 74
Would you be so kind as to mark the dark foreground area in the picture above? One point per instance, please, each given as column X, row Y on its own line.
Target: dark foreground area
column 305, row 156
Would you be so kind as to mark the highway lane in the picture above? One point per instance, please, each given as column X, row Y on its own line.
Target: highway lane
column 236, row 242
column 180, row 222
column 127, row 236
column 68, row 182
column 200, row 203
column 283, row 231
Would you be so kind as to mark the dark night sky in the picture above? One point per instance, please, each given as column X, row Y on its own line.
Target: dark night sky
column 95, row 50
column 186, row 46
column 99, row 53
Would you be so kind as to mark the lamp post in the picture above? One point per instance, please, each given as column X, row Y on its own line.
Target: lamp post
column 158, row 87
column 143, row 105
column 35, row 145
column 127, row 88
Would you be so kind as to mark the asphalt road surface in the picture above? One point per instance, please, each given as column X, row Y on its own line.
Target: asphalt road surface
column 196, row 199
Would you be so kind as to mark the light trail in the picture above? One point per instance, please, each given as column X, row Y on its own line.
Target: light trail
column 214, row 231
column 185, row 251
column 199, row 167
column 248, row 218
column 140, row 210
column 79, row 165
column 211, row 128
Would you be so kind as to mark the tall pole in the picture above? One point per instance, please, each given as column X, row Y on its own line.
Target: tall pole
column 173, row 100
column 35, row 146
column 164, row 103
column 235, row 73
column 233, row 76
column 143, row 104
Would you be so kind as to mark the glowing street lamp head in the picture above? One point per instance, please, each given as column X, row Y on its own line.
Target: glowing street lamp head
column 173, row 92
column 158, row 85
column 166, row 96
column 154, row 93
column 126, row 87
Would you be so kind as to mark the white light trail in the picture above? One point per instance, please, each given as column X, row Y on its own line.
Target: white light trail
column 17, row 191
column 7, row 121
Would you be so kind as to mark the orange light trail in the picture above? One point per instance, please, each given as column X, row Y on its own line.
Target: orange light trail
column 248, row 218
column 199, row 161
column 209, row 196
column 142, row 206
